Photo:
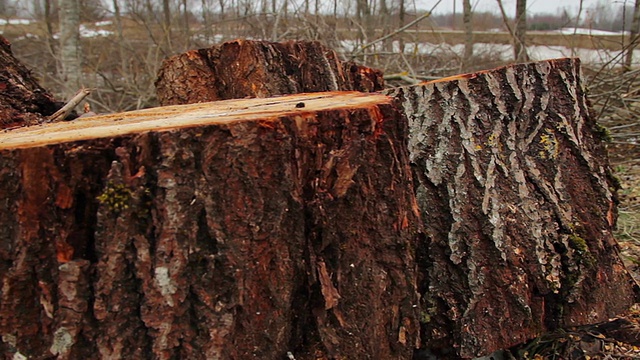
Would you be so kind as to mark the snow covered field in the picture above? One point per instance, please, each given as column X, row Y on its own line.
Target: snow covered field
column 505, row 52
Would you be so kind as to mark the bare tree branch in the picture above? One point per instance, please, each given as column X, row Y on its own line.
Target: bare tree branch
column 399, row 30
column 69, row 106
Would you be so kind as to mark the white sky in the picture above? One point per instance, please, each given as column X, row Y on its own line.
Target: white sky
column 533, row 6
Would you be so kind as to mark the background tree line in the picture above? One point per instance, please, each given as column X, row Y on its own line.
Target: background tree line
column 116, row 46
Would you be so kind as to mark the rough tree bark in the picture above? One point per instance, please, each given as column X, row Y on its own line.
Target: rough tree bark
column 22, row 100
column 245, row 68
column 229, row 230
column 518, row 202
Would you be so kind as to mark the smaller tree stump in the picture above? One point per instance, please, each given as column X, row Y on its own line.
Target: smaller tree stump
column 246, row 68
column 519, row 205
column 22, row 100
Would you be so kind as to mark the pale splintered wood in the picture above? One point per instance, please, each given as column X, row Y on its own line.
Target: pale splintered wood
column 181, row 116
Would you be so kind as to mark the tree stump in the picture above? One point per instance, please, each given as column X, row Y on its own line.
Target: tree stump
column 258, row 228
column 246, row 68
column 518, row 204
column 22, row 100
column 229, row 230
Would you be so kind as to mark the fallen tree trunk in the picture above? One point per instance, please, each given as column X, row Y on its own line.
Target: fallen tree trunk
column 22, row 100
column 519, row 204
column 246, row 68
column 228, row 230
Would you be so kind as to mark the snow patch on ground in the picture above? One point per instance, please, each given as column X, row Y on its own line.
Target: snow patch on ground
column 26, row 36
column 585, row 31
column 91, row 33
column 505, row 52
column 15, row 22
column 213, row 39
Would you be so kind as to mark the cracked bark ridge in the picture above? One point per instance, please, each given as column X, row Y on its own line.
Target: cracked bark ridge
column 518, row 203
column 247, row 68
column 228, row 230
column 22, row 100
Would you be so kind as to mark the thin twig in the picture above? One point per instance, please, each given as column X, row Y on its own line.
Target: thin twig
column 404, row 76
column 69, row 106
column 417, row 20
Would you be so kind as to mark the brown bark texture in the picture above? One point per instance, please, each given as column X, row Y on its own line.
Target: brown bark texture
column 230, row 230
column 22, row 100
column 518, row 203
column 247, row 68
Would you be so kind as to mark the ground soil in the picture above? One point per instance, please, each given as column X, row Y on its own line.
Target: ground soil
column 625, row 160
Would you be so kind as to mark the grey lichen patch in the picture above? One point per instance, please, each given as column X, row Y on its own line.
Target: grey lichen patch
column 165, row 284
column 9, row 339
column 62, row 341
column 116, row 197
column 11, row 342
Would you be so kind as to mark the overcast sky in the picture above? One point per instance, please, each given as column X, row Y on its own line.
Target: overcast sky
column 533, row 6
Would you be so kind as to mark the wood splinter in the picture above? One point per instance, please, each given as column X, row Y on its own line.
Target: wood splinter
column 69, row 106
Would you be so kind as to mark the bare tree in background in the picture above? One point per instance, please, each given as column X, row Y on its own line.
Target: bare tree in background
column 633, row 39
column 363, row 14
column 70, row 60
column 519, row 42
column 467, row 19
column 166, row 24
column 401, row 18
column 187, row 30
column 48, row 20
column 519, row 46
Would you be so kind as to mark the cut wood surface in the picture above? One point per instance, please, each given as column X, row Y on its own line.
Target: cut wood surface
column 22, row 100
column 175, row 117
column 518, row 203
column 248, row 68
column 231, row 230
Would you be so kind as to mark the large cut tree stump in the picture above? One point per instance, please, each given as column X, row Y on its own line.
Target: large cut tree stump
column 257, row 228
column 246, row 68
column 22, row 100
column 518, row 203
column 231, row 230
